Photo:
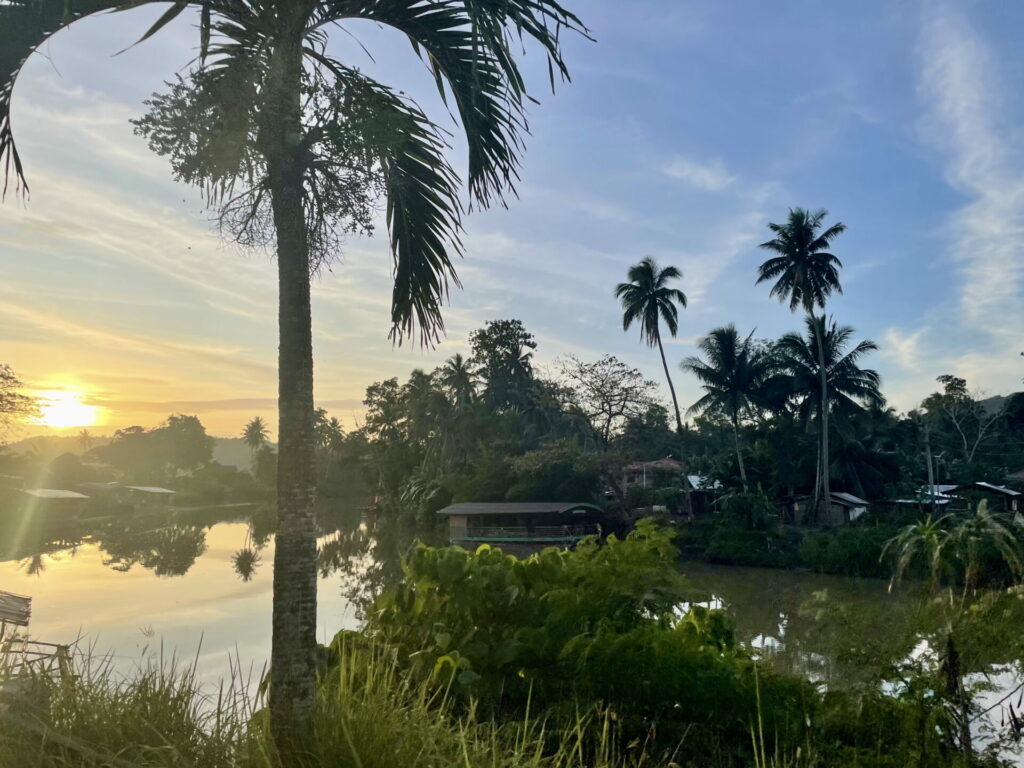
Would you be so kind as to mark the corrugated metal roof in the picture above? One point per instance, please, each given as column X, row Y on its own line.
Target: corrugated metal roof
column 849, row 498
column 53, row 493
column 518, row 508
column 982, row 486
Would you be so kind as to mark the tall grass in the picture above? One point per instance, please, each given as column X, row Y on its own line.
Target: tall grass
column 369, row 715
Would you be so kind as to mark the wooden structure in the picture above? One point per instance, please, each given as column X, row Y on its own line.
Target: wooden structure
column 999, row 497
column 538, row 524
column 844, row 508
column 15, row 610
column 19, row 655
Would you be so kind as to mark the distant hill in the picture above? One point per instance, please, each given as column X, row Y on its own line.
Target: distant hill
column 232, row 452
column 229, row 451
column 49, row 447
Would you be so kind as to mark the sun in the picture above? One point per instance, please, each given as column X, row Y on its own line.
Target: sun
column 61, row 408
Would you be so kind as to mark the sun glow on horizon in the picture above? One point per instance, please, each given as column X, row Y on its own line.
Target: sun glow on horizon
column 63, row 408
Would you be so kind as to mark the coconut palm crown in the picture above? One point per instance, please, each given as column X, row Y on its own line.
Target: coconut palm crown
column 804, row 270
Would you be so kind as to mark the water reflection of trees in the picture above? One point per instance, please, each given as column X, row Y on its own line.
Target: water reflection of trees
column 167, row 551
column 367, row 554
column 845, row 631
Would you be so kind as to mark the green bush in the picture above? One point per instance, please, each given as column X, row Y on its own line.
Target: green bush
column 853, row 550
column 735, row 545
column 596, row 626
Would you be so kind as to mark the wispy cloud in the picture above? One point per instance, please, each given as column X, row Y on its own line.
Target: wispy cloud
column 962, row 87
column 710, row 177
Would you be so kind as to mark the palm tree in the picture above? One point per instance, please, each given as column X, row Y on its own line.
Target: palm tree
column 288, row 132
column 838, row 385
column 806, row 274
column 647, row 300
column 948, row 548
column 732, row 374
column 460, row 381
column 85, row 440
column 255, row 434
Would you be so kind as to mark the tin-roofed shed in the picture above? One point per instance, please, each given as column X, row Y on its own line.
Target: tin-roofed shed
column 553, row 523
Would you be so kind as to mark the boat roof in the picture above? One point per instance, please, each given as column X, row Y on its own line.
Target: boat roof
column 519, row 508
column 148, row 489
column 53, row 493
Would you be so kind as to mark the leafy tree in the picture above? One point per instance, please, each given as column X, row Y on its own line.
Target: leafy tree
column 732, row 375
column 502, row 354
column 184, row 444
column 805, row 273
column 847, row 387
column 281, row 131
column 648, row 301
column 961, row 412
column 15, row 406
column 607, row 393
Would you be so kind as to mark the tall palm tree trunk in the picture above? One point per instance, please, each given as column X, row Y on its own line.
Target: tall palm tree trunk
column 739, row 453
column 293, row 650
column 823, row 490
column 687, row 505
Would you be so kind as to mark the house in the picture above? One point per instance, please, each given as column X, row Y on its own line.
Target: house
column 52, row 500
column 669, row 473
column 526, row 526
column 845, row 508
column 1000, row 498
column 660, row 473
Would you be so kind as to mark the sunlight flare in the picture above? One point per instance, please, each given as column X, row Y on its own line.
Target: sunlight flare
column 62, row 408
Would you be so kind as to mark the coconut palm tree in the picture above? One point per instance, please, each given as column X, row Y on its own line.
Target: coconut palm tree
column 459, row 380
column 289, row 142
column 648, row 301
column 255, row 434
column 847, row 387
column 805, row 273
column 732, row 375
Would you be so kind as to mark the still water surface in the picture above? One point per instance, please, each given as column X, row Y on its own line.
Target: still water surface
column 188, row 597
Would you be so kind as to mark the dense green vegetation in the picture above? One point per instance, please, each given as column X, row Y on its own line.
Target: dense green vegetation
column 600, row 656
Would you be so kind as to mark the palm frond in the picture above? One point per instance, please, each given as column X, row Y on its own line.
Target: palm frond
column 24, row 26
column 468, row 49
column 423, row 208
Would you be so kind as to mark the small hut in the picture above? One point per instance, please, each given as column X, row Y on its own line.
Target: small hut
column 1000, row 498
column 844, row 508
column 52, row 500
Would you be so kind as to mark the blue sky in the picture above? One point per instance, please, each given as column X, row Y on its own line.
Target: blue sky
column 687, row 127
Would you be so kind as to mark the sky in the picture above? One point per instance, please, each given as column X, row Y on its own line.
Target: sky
column 687, row 127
